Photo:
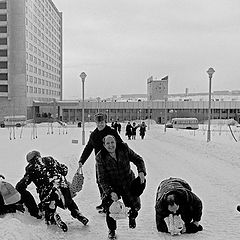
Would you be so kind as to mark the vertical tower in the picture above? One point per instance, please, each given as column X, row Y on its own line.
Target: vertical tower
column 157, row 89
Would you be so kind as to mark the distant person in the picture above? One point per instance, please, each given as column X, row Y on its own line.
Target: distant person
column 115, row 177
column 134, row 130
column 48, row 175
column 119, row 127
column 175, row 198
column 95, row 143
column 142, row 130
column 129, row 130
column 115, row 126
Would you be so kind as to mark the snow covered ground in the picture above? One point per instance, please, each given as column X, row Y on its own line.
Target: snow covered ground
column 212, row 169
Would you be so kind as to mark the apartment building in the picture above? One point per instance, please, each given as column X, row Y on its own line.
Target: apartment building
column 30, row 55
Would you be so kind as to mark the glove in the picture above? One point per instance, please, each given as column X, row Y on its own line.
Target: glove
column 192, row 228
column 20, row 208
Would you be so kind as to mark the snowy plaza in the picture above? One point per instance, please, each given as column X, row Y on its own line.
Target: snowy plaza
column 211, row 168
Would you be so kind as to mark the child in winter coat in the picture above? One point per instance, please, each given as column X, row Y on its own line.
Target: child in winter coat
column 48, row 175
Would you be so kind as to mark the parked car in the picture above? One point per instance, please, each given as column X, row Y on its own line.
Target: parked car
column 169, row 125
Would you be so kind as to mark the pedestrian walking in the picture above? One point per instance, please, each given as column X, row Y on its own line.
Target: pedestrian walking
column 129, row 130
column 142, row 130
column 116, row 179
column 95, row 143
column 134, row 130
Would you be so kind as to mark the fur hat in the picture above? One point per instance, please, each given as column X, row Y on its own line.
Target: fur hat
column 99, row 117
column 136, row 187
column 32, row 154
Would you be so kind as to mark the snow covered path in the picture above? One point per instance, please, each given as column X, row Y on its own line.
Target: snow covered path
column 212, row 169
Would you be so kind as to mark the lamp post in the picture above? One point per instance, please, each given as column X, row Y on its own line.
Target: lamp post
column 165, row 113
column 83, row 75
column 210, row 72
column 149, row 114
column 98, row 103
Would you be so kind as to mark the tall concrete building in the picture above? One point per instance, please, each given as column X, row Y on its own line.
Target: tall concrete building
column 157, row 89
column 30, row 55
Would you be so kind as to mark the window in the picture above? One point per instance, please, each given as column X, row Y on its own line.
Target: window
column 3, row 29
column 3, row 41
column 3, row 17
column 3, row 52
column 3, row 5
column 3, row 88
column 3, row 65
column 3, row 76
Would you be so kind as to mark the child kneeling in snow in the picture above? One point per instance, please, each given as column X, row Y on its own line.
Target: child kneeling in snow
column 178, row 209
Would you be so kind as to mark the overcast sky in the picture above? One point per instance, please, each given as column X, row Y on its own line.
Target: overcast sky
column 120, row 43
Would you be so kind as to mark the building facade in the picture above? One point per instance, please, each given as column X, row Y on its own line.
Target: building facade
column 30, row 55
column 159, row 111
column 157, row 89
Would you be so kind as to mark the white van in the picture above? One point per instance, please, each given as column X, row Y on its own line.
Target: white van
column 185, row 123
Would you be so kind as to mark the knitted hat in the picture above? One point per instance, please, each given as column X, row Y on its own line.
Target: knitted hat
column 136, row 187
column 32, row 154
column 99, row 117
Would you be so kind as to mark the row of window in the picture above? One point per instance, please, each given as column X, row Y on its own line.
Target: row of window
column 39, row 52
column 43, row 73
column 40, row 81
column 48, row 49
column 37, row 16
column 43, row 45
column 41, row 63
column 45, row 7
column 36, row 90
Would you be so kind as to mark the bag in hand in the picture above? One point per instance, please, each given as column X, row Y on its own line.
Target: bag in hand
column 9, row 193
column 118, row 210
column 77, row 182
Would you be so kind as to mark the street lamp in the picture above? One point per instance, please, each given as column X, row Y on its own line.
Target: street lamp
column 98, row 103
column 165, row 113
column 83, row 75
column 149, row 114
column 210, row 72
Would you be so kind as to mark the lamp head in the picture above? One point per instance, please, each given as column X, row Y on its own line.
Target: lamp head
column 83, row 75
column 210, row 72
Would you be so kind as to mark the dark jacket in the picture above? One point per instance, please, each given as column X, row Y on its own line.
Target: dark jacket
column 96, row 142
column 117, row 175
column 128, row 130
column 142, row 129
column 190, row 206
column 44, row 176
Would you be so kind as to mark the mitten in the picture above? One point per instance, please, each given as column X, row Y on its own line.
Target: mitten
column 192, row 228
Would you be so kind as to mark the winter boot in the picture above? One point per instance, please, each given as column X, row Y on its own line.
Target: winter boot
column 112, row 234
column 132, row 216
column 80, row 218
column 60, row 223
column 132, row 222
